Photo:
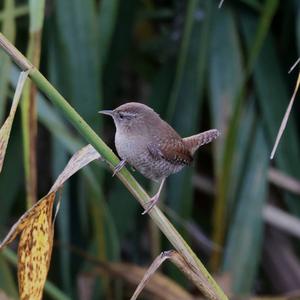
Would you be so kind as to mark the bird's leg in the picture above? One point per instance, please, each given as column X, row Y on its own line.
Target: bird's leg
column 119, row 166
column 154, row 199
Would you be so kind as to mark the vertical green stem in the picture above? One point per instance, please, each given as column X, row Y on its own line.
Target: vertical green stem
column 28, row 104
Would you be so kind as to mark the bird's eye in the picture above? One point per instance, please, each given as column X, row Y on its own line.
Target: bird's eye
column 125, row 115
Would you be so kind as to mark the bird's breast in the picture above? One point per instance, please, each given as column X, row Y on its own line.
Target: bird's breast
column 129, row 147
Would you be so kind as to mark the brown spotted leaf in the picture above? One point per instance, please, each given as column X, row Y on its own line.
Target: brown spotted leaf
column 21, row 224
column 36, row 225
column 35, row 246
column 80, row 159
column 6, row 127
column 35, row 249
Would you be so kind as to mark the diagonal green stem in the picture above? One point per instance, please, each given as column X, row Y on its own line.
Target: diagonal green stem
column 207, row 284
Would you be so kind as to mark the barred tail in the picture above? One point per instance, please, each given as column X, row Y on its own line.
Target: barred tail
column 195, row 141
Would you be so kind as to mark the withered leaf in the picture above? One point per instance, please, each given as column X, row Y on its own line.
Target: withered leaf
column 23, row 222
column 190, row 271
column 6, row 127
column 35, row 248
column 36, row 225
column 80, row 159
column 158, row 287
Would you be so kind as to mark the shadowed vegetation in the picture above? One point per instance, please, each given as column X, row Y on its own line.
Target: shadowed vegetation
column 199, row 67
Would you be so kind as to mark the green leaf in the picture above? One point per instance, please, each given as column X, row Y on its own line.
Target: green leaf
column 107, row 23
column 224, row 176
column 243, row 248
column 225, row 81
column 225, row 73
column 273, row 99
column 36, row 11
column 28, row 103
column 60, row 158
column 186, row 96
column 7, row 282
column 77, row 39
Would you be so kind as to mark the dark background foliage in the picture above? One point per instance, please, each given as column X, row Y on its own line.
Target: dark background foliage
column 199, row 67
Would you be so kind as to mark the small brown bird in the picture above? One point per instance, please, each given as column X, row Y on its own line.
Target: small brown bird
column 151, row 145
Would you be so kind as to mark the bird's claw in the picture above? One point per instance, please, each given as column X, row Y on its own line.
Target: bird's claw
column 154, row 199
column 115, row 172
column 150, row 204
column 118, row 167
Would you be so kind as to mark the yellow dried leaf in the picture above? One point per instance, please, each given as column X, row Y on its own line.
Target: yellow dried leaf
column 35, row 248
column 22, row 223
column 36, row 225
column 4, row 136
column 80, row 159
column 6, row 127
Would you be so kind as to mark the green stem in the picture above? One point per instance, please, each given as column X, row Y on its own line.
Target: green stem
column 207, row 284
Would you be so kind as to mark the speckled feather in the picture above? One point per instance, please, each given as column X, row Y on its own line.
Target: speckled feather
column 150, row 144
column 195, row 141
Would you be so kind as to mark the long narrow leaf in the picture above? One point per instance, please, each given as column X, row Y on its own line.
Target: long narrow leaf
column 28, row 104
column 6, row 127
column 244, row 245
column 285, row 118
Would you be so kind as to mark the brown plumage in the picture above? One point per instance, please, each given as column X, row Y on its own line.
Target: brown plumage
column 151, row 145
column 195, row 141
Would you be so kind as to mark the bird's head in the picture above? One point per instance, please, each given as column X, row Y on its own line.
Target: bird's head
column 131, row 116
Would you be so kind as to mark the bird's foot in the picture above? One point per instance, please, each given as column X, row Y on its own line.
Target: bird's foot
column 119, row 166
column 154, row 199
column 151, row 204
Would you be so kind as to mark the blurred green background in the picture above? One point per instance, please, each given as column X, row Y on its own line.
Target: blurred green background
column 199, row 67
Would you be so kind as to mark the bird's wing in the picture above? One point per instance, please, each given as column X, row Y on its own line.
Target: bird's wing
column 173, row 151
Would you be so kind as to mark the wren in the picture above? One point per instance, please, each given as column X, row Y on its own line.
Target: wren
column 151, row 145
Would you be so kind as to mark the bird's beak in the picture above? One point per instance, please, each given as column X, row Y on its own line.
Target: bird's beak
column 106, row 112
